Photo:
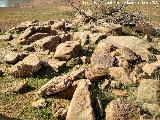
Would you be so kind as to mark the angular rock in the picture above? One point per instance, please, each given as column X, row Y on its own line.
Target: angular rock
column 148, row 91
column 47, row 43
column 56, row 65
column 16, row 86
column 122, row 110
column 61, row 114
column 12, row 58
column 82, row 36
column 97, row 37
column 66, row 51
column 152, row 69
column 6, row 37
column 39, row 103
column 95, row 73
column 81, row 107
column 59, row 25
column 120, row 74
column 27, row 67
column 60, row 83
column 35, row 37
column 65, row 37
column 56, row 85
column 25, row 35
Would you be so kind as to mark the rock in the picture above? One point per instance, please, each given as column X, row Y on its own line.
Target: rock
column 1, row 73
column 115, row 84
column 65, row 37
column 154, row 109
column 85, row 60
column 60, row 83
column 47, row 43
column 105, row 85
column 81, row 107
column 83, row 37
column 122, row 110
column 66, row 51
column 94, row 73
column 119, row 93
column 35, row 37
column 25, row 35
column 56, row 65
column 152, row 69
column 56, row 85
column 120, row 74
column 6, row 37
column 16, row 86
column 12, row 58
column 148, row 91
column 97, row 37
column 27, row 67
column 131, row 43
column 39, row 103
column 59, row 25
column 74, row 61
column 61, row 114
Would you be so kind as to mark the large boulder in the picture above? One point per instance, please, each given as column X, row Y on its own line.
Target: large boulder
column 47, row 43
column 122, row 110
column 67, row 50
column 148, row 91
column 27, row 67
column 81, row 105
column 152, row 69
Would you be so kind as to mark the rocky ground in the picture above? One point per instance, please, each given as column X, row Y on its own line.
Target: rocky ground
column 80, row 70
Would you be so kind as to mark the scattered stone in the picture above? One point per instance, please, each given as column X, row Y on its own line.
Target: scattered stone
column 119, row 92
column 56, row 65
column 61, row 114
column 65, row 37
column 152, row 69
column 12, row 58
column 122, row 110
column 16, row 86
column 59, row 25
column 67, row 50
column 60, row 83
column 25, row 35
column 35, row 37
column 39, row 103
column 47, row 43
column 27, row 67
column 148, row 91
column 81, row 106
column 94, row 73
column 97, row 37
column 6, row 37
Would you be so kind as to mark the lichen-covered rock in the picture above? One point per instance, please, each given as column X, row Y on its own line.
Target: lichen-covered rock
column 67, row 50
column 122, row 110
column 148, row 91
column 47, row 43
column 152, row 69
column 27, row 67
column 81, row 106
